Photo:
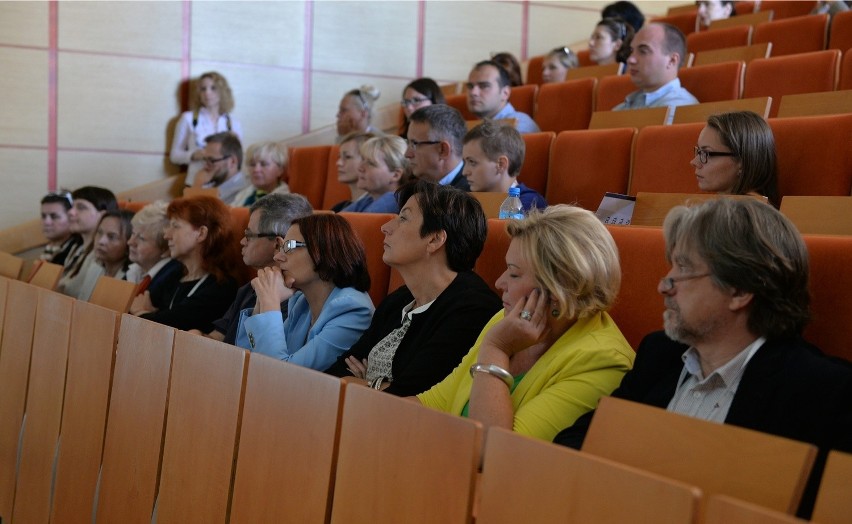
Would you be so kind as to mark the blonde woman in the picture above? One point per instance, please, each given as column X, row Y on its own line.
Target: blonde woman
column 266, row 165
column 211, row 114
column 356, row 110
column 382, row 171
column 553, row 351
column 556, row 64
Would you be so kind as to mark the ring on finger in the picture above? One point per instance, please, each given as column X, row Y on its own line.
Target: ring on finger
column 526, row 315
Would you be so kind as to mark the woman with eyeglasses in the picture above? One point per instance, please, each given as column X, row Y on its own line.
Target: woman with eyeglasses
column 553, row 351
column 419, row 93
column 90, row 204
column 356, row 110
column 383, row 170
column 610, row 41
column 322, row 274
column 212, row 104
column 266, row 165
column 556, row 65
column 200, row 236
column 421, row 331
column 735, row 155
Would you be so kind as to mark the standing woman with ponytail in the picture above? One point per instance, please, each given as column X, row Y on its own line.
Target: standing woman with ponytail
column 212, row 104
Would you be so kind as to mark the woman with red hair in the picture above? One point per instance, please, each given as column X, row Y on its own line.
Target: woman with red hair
column 199, row 236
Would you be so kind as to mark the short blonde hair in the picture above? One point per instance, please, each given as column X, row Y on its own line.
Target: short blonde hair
column 272, row 151
column 573, row 256
column 153, row 220
column 389, row 148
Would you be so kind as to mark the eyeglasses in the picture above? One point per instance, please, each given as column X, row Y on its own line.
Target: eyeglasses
column 412, row 144
column 704, row 156
column 668, row 283
column 413, row 101
column 250, row 235
column 209, row 160
column 62, row 194
column 289, row 245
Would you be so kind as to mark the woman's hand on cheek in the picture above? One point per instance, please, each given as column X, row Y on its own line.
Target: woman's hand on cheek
column 524, row 326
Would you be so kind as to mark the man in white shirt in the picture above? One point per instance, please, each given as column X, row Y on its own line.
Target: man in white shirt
column 488, row 89
column 658, row 52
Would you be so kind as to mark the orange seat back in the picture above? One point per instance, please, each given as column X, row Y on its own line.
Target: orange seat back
column 789, row 36
column 814, row 157
column 536, row 160
column 719, row 39
column 335, row 192
column 831, row 303
column 714, row 82
column 638, row 310
column 612, row 90
column 789, row 75
column 586, row 164
column 686, row 22
column 308, row 172
column 534, row 70
column 846, row 72
column 460, row 103
column 661, row 159
column 786, row 8
column 564, row 106
column 522, row 98
column 840, row 36
column 492, row 262
column 368, row 228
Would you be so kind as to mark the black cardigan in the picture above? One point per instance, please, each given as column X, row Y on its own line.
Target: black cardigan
column 437, row 339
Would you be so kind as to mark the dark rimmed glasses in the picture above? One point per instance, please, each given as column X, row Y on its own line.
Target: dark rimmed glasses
column 412, row 144
column 704, row 156
column 288, row 246
column 251, row 235
column 668, row 283
column 210, row 160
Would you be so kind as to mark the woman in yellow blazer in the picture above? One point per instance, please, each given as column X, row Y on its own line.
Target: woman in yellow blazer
column 553, row 351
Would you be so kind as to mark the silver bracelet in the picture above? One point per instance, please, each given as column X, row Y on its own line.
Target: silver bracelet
column 496, row 371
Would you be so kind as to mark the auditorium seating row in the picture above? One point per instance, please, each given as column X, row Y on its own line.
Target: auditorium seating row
column 103, row 418
column 638, row 310
column 814, row 158
column 569, row 105
column 787, row 35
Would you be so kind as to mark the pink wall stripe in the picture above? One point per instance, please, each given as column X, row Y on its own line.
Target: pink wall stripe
column 525, row 30
column 421, row 35
column 52, row 117
column 186, row 52
column 308, row 66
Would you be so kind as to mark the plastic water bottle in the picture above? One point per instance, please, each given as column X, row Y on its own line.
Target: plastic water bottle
column 511, row 208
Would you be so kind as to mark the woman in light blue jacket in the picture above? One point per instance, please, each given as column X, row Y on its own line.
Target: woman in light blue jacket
column 322, row 273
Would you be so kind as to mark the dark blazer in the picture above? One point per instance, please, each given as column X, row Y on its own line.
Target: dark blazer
column 177, row 308
column 165, row 276
column 436, row 340
column 460, row 181
column 789, row 388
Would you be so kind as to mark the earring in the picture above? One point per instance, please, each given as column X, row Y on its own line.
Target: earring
column 554, row 313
